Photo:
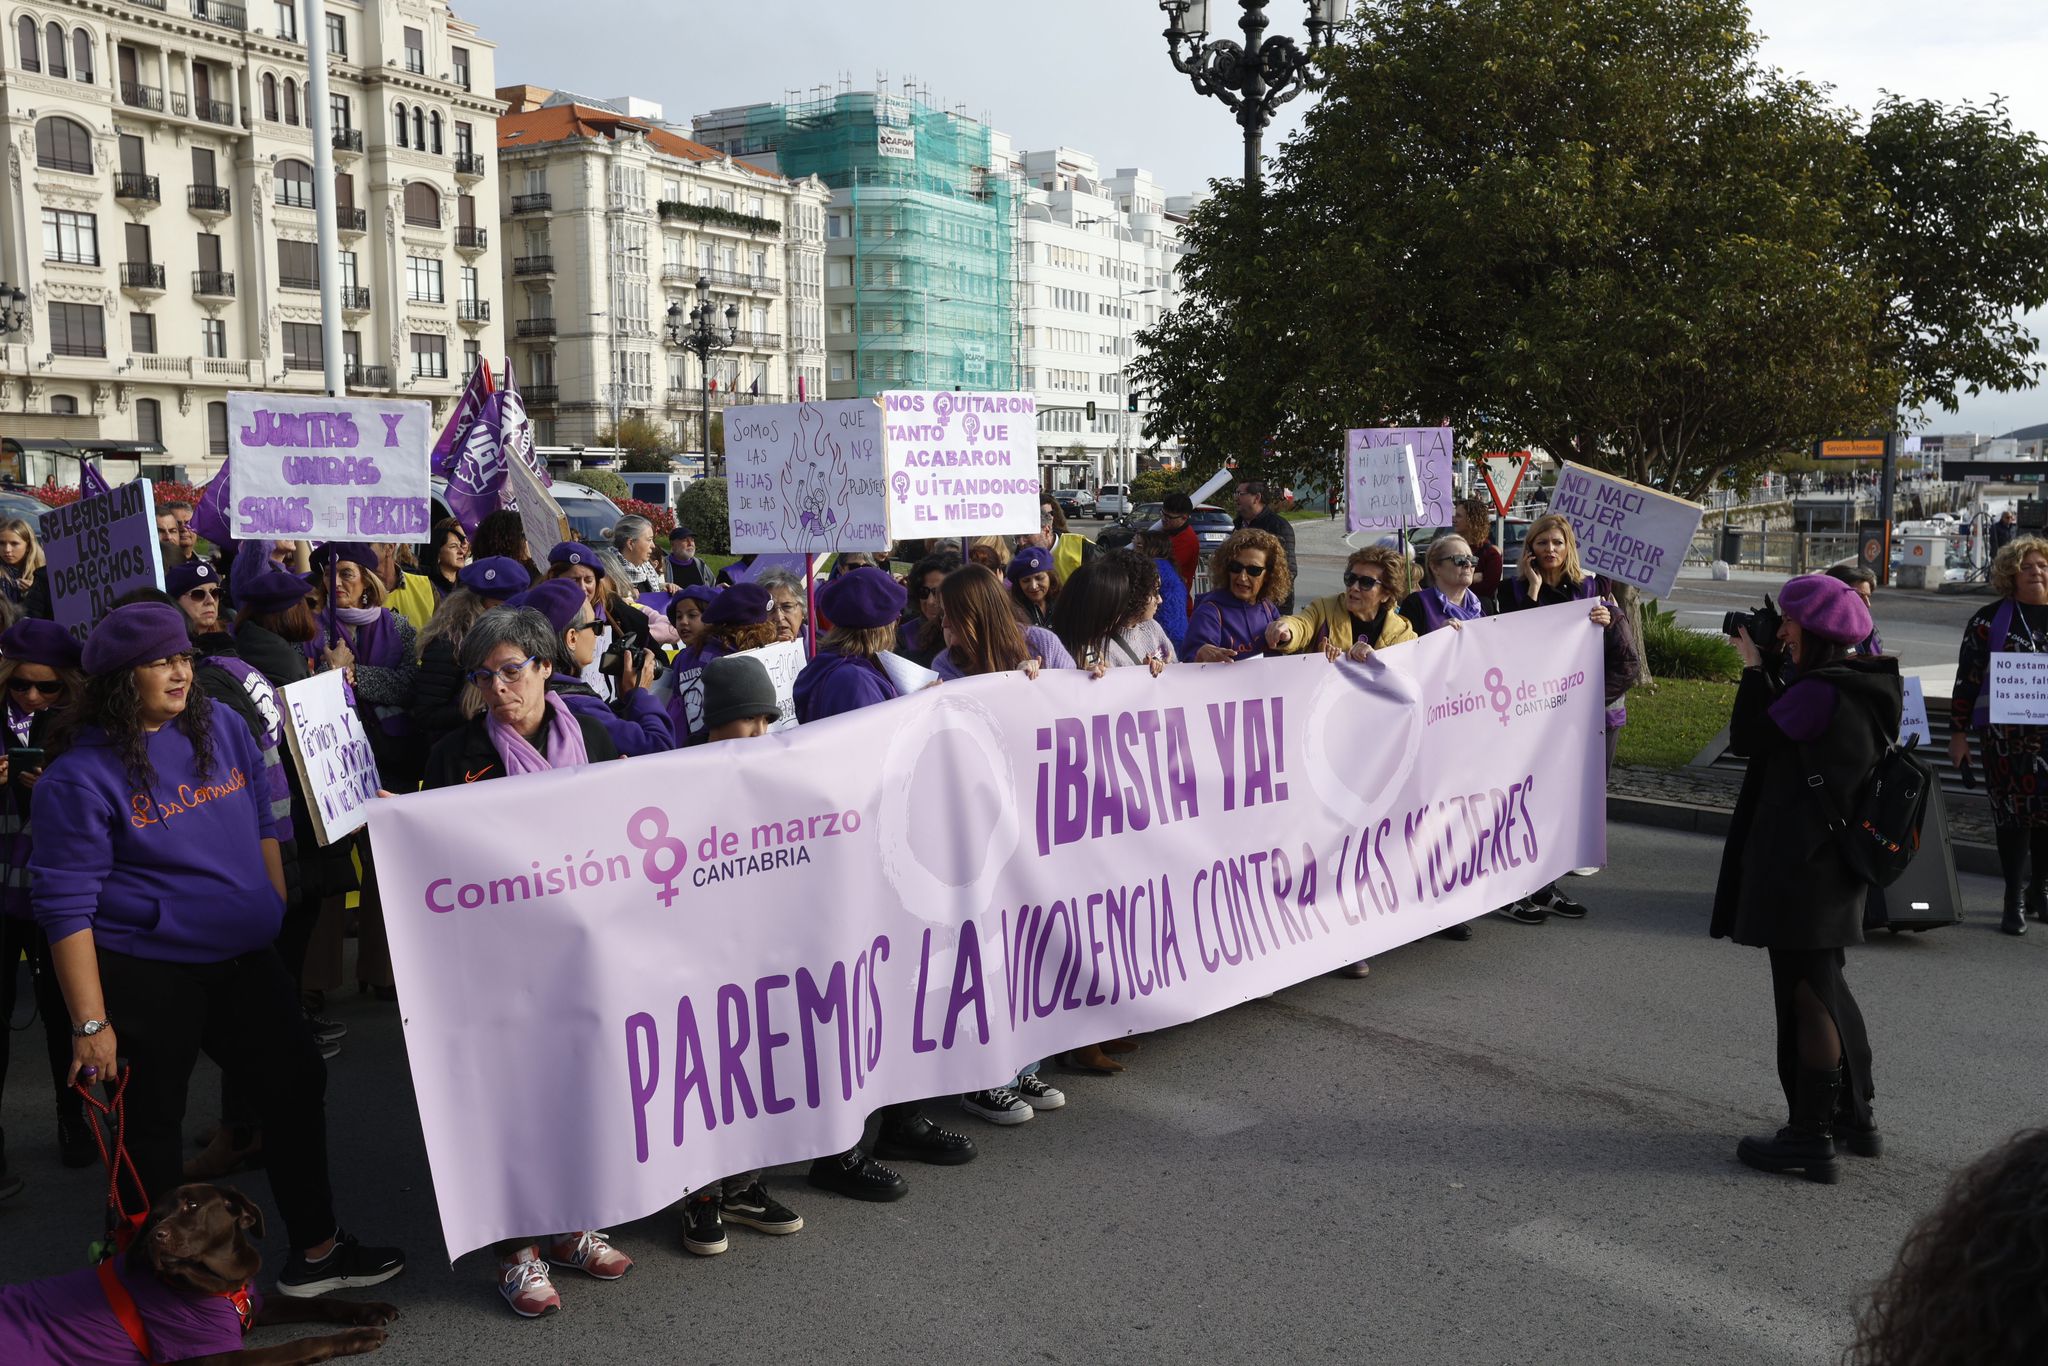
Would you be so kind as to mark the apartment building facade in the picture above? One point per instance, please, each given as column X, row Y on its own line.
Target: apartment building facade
column 159, row 211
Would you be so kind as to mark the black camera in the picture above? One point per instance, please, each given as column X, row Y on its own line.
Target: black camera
column 613, row 662
column 1761, row 626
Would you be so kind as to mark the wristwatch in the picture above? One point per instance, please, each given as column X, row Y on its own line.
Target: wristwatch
column 88, row 1029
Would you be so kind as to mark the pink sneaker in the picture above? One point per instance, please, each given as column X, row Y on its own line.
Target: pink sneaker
column 524, row 1283
column 589, row 1253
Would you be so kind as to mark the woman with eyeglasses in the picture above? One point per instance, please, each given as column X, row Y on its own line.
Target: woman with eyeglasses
column 196, row 587
column 918, row 637
column 39, row 675
column 509, row 655
column 785, row 601
column 161, row 889
column 437, row 688
column 1353, row 623
column 1229, row 621
column 1447, row 596
column 636, row 722
column 447, row 553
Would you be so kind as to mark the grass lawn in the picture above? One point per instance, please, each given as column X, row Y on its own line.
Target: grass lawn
column 1307, row 514
column 1669, row 724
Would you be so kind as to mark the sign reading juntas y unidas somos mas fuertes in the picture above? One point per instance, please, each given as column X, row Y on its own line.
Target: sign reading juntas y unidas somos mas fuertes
column 307, row 467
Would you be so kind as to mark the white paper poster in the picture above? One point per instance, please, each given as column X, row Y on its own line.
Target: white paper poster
column 961, row 464
column 332, row 752
column 1914, row 719
column 310, row 467
column 1626, row 532
column 806, row 478
column 2019, row 689
column 1430, row 478
column 784, row 660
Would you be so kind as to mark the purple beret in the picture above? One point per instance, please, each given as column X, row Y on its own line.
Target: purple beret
column 1032, row 559
column 135, row 634
column 184, row 578
column 700, row 592
column 495, row 576
column 574, row 552
column 35, row 641
column 561, row 601
column 1825, row 607
column 743, row 604
column 862, row 600
column 354, row 552
column 272, row 590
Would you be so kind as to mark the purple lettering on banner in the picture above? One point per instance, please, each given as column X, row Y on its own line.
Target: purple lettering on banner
column 298, row 473
column 98, row 548
column 1038, row 866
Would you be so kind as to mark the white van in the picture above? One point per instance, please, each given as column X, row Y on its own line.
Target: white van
column 658, row 489
column 1113, row 500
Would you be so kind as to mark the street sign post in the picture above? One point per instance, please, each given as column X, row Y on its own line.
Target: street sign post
column 1503, row 475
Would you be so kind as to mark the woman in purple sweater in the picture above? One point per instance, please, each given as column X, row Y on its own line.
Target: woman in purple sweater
column 1229, row 622
column 160, row 887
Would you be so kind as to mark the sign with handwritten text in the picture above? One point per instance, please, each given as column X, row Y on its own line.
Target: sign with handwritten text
column 313, row 468
column 1627, row 532
column 98, row 548
column 332, row 753
column 806, row 477
column 961, row 464
column 1421, row 493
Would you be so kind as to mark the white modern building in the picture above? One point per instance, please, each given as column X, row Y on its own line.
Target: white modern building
column 158, row 216
column 610, row 219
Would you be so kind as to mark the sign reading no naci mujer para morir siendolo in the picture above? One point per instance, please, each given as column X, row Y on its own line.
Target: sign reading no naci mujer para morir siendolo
column 1626, row 532
column 308, row 467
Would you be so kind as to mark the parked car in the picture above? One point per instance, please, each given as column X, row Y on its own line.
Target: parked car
column 591, row 515
column 1075, row 502
column 1114, row 500
column 20, row 505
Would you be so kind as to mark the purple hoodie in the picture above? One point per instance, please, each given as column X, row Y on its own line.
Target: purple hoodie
column 1220, row 619
column 174, row 874
column 835, row 683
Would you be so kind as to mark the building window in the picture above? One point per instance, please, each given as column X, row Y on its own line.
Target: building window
column 469, row 284
column 81, row 55
column 429, row 355
column 149, row 420
column 415, row 52
column 142, row 333
column 419, row 129
column 213, row 338
column 303, row 347
column 422, row 205
column 337, row 35
column 434, row 127
column 298, row 265
column 458, row 58
column 398, row 113
column 287, row 20
column 294, row 184
column 29, row 38
column 270, row 97
column 55, row 53
column 71, row 237
column 472, row 357
column 78, row 330
column 337, row 107
column 63, row 145
column 465, row 139
column 216, row 429
column 291, row 101
column 63, row 405
column 423, row 280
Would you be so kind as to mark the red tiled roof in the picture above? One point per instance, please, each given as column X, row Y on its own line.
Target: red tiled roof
column 561, row 122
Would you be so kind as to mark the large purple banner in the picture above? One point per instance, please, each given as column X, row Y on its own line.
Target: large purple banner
column 727, row 957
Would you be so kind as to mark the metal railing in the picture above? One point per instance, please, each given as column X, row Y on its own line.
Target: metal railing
column 368, row 376
column 295, row 361
column 469, row 163
column 142, row 96
column 142, row 275
column 533, row 203
column 311, row 282
column 421, row 220
column 534, row 327
column 540, row 395
column 473, row 310
column 475, row 239
column 60, row 347
column 209, row 198
column 348, row 139
column 215, row 111
column 347, row 219
column 759, row 341
column 219, row 283
column 533, row 265
column 740, row 279
column 355, row 297
column 226, row 16
column 416, row 61
column 136, row 185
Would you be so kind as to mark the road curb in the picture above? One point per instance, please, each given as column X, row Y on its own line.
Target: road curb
column 1710, row 820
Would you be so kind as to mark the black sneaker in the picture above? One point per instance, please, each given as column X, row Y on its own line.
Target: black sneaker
column 755, row 1208
column 326, row 1031
column 1460, row 932
column 857, row 1176
column 920, row 1140
column 1557, row 903
column 348, row 1265
column 1523, row 912
column 703, row 1230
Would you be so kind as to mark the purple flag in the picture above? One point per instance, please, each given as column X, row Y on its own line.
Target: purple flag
column 476, row 476
column 469, row 406
column 91, row 481
column 515, row 431
column 210, row 518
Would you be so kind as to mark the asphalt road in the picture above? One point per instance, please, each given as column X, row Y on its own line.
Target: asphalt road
column 1922, row 628
column 1517, row 1149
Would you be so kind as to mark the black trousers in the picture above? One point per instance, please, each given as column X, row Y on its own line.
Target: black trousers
column 1821, row 971
column 244, row 1014
column 20, row 935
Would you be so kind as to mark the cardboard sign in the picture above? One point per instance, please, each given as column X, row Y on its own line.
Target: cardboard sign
column 98, row 548
column 1434, row 477
column 308, row 467
column 1626, row 532
column 540, row 516
column 784, row 660
column 2019, row 689
column 1503, row 475
column 1382, row 489
column 807, row 477
column 960, row 464
column 332, row 753
column 1913, row 721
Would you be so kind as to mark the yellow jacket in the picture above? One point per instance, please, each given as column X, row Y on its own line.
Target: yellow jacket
column 413, row 599
column 1325, row 618
column 1068, row 552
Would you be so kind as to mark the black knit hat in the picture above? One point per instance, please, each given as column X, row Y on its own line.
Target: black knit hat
column 736, row 688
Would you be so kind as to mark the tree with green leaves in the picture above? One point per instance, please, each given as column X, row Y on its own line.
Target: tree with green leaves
column 1601, row 228
column 647, row 448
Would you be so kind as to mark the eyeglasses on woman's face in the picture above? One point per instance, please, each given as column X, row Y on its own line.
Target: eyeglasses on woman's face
column 204, row 594
column 1250, row 571
column 1461, row 561
column 48, row 689
column 1363, row 581
column 507, row 675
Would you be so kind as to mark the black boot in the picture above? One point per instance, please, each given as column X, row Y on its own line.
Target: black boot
column 2010, row 920
column 1804, row 1146
column 2037, row 901
column 10, row 1185
column 1861, row 1139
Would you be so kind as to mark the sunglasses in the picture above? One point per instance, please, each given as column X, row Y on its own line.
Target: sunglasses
column 1363, row 581
column 1250, row 571
column 507, row 675
column 1462, row 561
column 50, row 689
column 210, row 594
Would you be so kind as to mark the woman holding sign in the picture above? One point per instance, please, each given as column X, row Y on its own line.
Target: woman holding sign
column 2015, row 757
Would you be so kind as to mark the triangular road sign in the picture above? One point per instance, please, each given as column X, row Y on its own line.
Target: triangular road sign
column 1503, row 476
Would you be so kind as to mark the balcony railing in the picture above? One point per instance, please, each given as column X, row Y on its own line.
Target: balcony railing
column 474, row 239
column 473, row 310
column 347, row 219
column 759, row 341
column 227, row 16
column 311, row 282
column 61, row 347
column 416, row 61
column 142, row 275
column 422, row 220
column 369, row 376
column 295, row 361
column 215, row 111
column 135, row 185
column 533, row 203
column 208, row 198
column 469, row 163
column 355, row 298
column 158, row 5
column 219, row 283
column 142, row 96
column 540, row 395
column 534, row 327
column 534, row 265
column 348, row 139
column 739, row 279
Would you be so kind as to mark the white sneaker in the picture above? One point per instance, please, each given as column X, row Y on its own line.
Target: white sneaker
column 1039, row 1094
column 1582, row 872
column 525, row 1285
column 997, row 1105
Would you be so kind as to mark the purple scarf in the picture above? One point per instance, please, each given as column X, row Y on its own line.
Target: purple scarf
column 1439, row 611
column 565, row 741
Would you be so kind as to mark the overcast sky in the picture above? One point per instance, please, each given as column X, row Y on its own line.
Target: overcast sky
column 1093, row 74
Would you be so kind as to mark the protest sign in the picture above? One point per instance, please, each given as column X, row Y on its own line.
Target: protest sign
column 908, row 675
column 744, row 949
column 2019, row 689
column 308, row 467
column 960, row 464
column 332, row 753
column 1913, row 721
column 1382, row 491
column 806, row 477
column 784, row 660
column 98, row 548
column 1629, row 533
column 540, row 516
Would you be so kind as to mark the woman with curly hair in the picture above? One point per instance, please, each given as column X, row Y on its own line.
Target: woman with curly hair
column 1357, row 621
column 161, row 891
column 2015, row 759
column 1968, row 1283
column 1229, row 622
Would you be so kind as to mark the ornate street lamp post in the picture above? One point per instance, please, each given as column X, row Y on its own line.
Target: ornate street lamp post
column 1252, row 78
column 698, row 333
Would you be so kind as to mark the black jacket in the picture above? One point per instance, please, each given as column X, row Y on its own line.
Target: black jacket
column 468, row 756
column 437, row 693
column 281, row 661
column 1783, row 884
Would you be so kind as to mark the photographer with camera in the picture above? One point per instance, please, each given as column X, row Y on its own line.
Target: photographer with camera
column 636, row 722
column 1813, row 719
column 2015, row 759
